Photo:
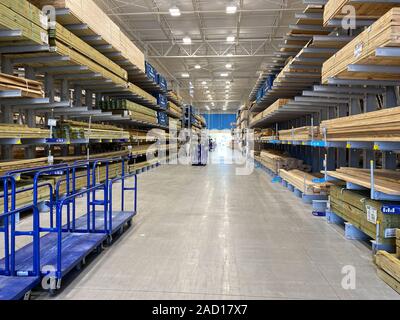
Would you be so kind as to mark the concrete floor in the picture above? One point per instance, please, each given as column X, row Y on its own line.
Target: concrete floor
column 205, row 233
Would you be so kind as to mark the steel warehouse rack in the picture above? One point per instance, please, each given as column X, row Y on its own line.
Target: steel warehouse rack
column 321, row 121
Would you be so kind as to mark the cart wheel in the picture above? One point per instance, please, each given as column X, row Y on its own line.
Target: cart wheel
column 99, row 249
column 109, row 240
column 129, row 224
column 121, row 231
column 79, row 266
column 28, row 295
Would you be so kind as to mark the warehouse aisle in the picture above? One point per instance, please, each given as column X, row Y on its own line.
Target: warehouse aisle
column 205, row 233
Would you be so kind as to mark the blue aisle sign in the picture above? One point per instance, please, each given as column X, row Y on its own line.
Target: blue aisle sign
column 391, row 209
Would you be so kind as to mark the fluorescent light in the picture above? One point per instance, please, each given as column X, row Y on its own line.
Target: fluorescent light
column 231, row 8
column 213, row 104
column 227, row 87
column 229, row 55
column 197, row 66
column 230, row 38
column 174, row 11
column 208, row 108
column 185, row 75
column 228, row 65
column 224, row 74
column 204, row 83
column 187, row 40
column 208, row 91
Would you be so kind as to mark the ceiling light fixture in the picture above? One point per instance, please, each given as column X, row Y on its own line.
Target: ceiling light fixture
column 197, row 66
column 224, row 74
column 230, row 38
column 185, row 75
column 204, row 83
column 208, row 108
column 228, row 65
column 174, row 11
column 187, row 40
column 231, row 8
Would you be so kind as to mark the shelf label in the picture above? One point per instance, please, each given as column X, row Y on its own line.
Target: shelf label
column 372, row 214
column 390, row 209
column 348, row 146
column 18, row 141
column 390, row 233
column 376, row 147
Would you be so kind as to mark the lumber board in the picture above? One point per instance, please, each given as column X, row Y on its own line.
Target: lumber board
column 29, row 88
column 385, row 32
column 99, row 23
column 300, row 134
column 389, row 263
column 365, row 10
column 303, row 181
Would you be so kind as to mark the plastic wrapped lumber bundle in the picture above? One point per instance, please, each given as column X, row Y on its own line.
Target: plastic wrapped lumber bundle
column 303, row 181
column 275, row 161
column 130, row 109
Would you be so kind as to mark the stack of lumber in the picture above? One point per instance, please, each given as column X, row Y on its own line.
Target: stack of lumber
column 388, row 269
column 269, row 111
column 385, row 181
column 382, row 125
column 99, row 23
column 29, row 88
column 61, row 35
column 22, row 132
column 264, row 134
column 175, row 98
column 174, row 110
column 304, row 22
column 383, row 33
column 7, row 166
column 175, row 123
column 137, row 135
column 21, row 15
column 364, row 9
column 201, row 120
column 300, row 134
column 357, row 208
column 82, row 130
column 303, row 181
column 130, row 109
column 275, row 161
column 72, row 159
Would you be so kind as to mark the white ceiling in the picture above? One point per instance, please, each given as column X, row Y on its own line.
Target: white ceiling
column 258, row 27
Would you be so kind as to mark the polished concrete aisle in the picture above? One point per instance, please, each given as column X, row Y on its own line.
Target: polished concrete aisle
column 206, row 233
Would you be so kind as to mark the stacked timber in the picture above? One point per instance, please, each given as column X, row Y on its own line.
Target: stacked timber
column 28, row 88
column 175, row 98
column 175, row 123
column 18, row 131
column 364, row 10
column 22, row 16
column 276, row 161
column 388, row 269
column 8, row 166
column 385, row 181
column 384, row 33
column 365, row 214
column 264, row 134
column 99, row 23
column 61, row 35
column 382, row 125
column 300, row 134
column 303, row 181
column 269, row 111
column 74, row 130
column 108, row 155
column 138, row 135
column 176, row 111
column 130, row 109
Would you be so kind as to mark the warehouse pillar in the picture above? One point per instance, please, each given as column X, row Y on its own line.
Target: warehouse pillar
column 7, row 111
column 370, row 104
column 30, row 151
column 354, row 154
column 390, row 100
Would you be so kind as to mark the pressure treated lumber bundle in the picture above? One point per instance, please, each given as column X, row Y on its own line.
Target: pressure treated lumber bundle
column 357, row 208
column 275, row 161
column 300, row 134
column 20, row 131
column 71, row 40
column 303, row 181
column 267, row 112
column 364, row 9
column 127, row 105
column 20, row 15
column 382, row 125
column 82, row 130
column 388, row 269
column 87, row 12
column 175, row 98
column 29, row 88
column 383, row 33
column 175, row 110
column 385, row 181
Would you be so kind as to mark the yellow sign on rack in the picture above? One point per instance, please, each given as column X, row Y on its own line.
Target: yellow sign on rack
column 348, row 146
column 18, row 141
column 376, row 147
